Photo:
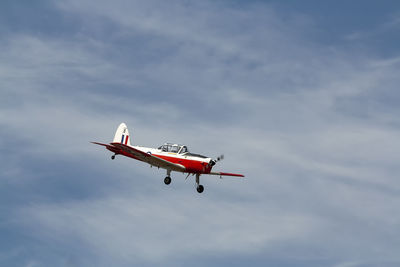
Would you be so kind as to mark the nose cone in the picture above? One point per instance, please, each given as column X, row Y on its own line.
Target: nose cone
column 212, row 162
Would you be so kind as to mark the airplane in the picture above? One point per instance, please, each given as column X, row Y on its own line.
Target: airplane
column 172, row 157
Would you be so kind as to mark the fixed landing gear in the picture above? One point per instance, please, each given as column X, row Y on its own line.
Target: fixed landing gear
column 199, row 188
column 113, row 157
column 167, row 180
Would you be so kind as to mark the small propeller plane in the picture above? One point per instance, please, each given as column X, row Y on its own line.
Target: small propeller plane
column 172, row 157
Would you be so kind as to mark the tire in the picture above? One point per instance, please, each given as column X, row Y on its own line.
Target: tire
column 167, row 180
column 200, row 188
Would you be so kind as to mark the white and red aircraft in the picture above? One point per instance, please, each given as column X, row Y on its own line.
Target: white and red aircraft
column 172, row 157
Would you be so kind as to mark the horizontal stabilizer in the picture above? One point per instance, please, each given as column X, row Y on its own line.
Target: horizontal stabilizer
column 108, row 146
column 101, row 144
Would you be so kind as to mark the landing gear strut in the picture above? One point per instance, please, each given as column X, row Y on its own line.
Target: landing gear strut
column 199, row 188
column 113, row 157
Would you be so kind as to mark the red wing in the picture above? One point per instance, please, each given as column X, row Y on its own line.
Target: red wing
column 226, row 174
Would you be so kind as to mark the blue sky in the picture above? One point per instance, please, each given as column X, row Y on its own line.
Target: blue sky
column 300, row 96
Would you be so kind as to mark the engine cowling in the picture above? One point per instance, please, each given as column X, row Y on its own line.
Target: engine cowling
column 212, row 162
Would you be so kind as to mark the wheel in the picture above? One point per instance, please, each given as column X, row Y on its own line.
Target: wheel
column 167, row 180
column 113, row 157
column 200, row 188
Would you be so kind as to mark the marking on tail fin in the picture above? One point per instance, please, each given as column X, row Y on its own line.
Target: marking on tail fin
column 122, row 140
column 126, row 140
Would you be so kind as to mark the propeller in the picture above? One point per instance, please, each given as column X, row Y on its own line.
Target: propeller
column 214, row 161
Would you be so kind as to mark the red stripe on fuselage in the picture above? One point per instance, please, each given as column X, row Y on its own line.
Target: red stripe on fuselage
column 121, row 152
column 192, row 166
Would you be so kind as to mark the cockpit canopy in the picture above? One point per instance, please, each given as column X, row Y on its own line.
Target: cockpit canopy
column 174, row 148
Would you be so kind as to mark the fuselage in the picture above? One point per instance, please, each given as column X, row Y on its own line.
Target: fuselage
column 192, row 163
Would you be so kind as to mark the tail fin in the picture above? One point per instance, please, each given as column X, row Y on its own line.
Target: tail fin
column 122, row 135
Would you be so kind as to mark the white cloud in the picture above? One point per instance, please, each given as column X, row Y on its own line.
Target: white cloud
column 321, row 163
column 151, row 229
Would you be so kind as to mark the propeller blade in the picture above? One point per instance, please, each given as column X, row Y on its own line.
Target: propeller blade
column 214, row 161
column 220, row 158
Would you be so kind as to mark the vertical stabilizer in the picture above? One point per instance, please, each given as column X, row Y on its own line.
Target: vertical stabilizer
column 122, row 135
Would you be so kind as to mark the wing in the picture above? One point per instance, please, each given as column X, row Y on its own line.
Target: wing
column 148, row 158
column 226, row 174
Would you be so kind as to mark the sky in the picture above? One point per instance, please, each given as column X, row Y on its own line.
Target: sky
column 300, row 96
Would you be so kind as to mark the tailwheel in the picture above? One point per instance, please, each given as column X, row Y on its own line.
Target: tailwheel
column 167, row 180
column 200, row 188
column 113, row 157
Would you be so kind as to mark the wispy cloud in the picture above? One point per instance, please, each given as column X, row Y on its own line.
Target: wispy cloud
column 140, row 228
column 314, row 129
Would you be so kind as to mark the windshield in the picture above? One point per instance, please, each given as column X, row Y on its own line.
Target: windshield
column 173, row 148
column 183, row 150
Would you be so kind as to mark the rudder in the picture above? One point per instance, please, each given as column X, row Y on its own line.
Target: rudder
column 122, row 135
